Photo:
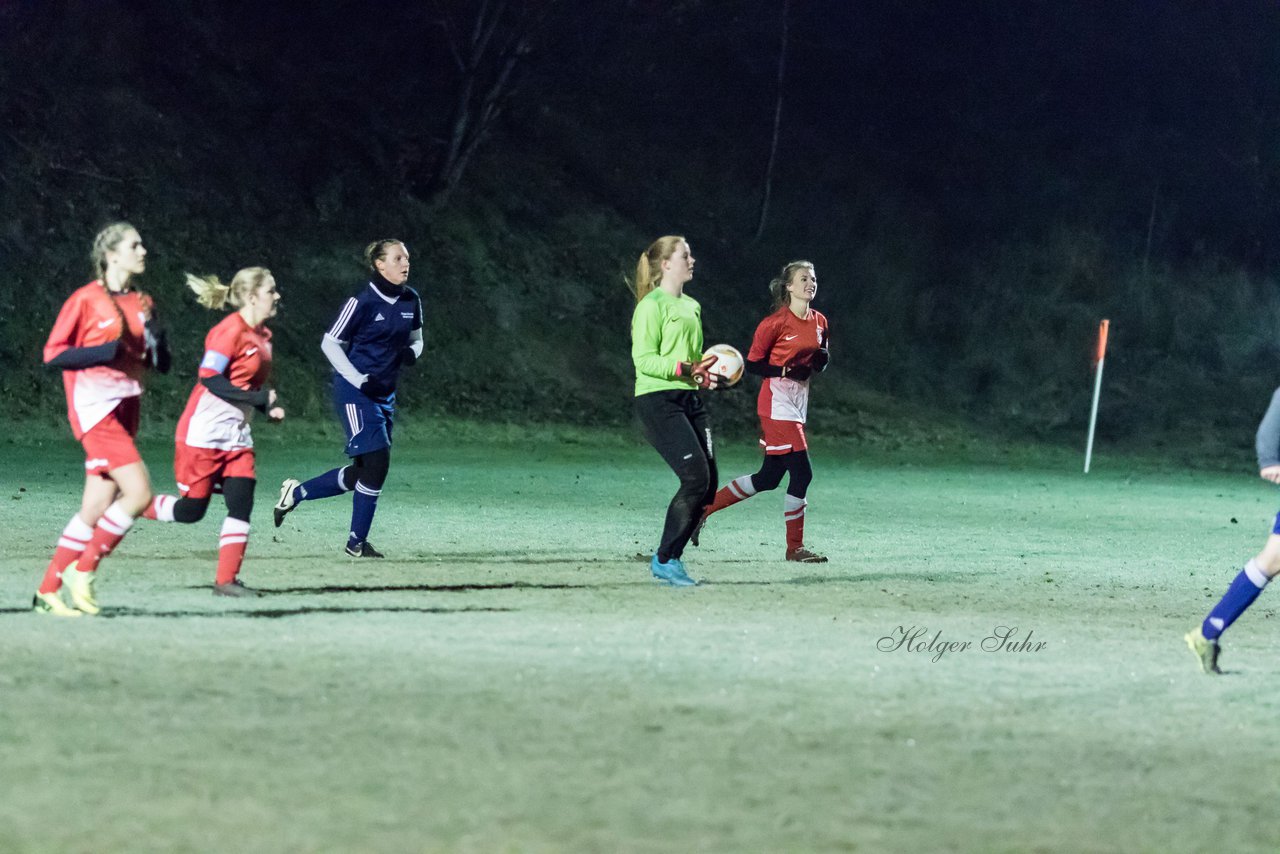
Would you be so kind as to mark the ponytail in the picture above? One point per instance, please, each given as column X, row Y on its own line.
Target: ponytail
column 644, row 280
column 211, row 293
column 649, row 267
column 778, row 286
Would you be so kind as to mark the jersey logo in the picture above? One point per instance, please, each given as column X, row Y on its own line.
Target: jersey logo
column 251, row 351
column 407, row 315
column 787, row 337
column 379, row 317
column 103, row 324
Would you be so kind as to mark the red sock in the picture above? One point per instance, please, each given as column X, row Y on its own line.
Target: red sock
column 161, row 508
column 738, row 489
column 107, row 534
column 71, row 545
column 793, row 512
column 231, row 546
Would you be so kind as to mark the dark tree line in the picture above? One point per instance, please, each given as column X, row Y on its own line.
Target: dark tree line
column 967, row 172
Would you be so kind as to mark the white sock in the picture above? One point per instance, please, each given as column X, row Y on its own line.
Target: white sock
column 1255, row 574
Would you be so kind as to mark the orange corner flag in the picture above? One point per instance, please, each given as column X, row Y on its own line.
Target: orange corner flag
column 1101, row 354
column 1103, row 328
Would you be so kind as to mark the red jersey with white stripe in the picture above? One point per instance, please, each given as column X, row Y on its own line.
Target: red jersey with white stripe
column 90, row 317
column 243, row 354
column 786, row 340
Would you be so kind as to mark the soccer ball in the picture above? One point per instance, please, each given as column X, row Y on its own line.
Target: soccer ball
column 728, row 363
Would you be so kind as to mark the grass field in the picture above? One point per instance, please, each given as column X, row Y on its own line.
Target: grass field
column 510, row 679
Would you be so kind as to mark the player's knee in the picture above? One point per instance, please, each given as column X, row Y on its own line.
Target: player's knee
column 91, row 509
column 801, row 473
column 349, row 476
column 763, row 481
column 373, row 468
column 188, row 510
column 135, row 501
column 238, row 494
column 1269, row 562
column 695, row 478
column 770, row 474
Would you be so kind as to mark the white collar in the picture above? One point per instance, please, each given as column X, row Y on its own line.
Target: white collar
column 388, row 300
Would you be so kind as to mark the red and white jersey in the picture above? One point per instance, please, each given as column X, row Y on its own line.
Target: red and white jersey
column 90, row 317
column 786, row 340
column 243, row 354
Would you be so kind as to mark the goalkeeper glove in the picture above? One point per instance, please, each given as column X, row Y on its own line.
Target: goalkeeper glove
column 699, row 373
column 375, row 389
column 796, row 372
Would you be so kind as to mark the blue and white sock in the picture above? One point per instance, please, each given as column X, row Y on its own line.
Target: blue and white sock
column 1239, row 596
column 326, row 485
column 363, row 505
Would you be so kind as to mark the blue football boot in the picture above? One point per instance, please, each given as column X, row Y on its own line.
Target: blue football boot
column 672, row 572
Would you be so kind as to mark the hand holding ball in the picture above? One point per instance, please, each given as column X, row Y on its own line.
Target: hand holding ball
column 699, row 373
column 728, row 364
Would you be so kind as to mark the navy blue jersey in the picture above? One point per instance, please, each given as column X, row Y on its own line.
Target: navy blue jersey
column 374, row 330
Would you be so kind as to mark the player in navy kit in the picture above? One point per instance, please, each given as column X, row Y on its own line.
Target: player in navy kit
column 1260, row 570
column 377, row 331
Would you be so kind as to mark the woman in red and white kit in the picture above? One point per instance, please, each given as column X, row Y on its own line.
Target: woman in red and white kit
column 789, row 346
column 103, row 340
column 213, row 447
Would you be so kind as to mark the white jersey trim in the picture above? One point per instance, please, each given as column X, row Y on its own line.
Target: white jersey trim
column 788, row 399
column 219, row 424
column 95, row 394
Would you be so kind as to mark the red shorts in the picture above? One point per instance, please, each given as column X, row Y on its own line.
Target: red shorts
column 109, row 443
column 200, row 470
column 781, row 437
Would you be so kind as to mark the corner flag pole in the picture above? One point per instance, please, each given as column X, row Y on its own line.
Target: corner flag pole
column 1099, row 357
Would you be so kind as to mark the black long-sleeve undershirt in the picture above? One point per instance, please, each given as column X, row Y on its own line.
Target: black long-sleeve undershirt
column 157, row 342
column 762, row 368
column 219, row 385
column 76, row 358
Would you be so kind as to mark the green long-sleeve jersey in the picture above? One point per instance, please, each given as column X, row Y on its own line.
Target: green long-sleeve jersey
column 664, row 332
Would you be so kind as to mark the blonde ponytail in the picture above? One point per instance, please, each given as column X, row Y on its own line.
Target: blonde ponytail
column 649, row 267
column 210, row 292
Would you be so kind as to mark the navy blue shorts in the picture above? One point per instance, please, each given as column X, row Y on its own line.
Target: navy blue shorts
column 366, row 422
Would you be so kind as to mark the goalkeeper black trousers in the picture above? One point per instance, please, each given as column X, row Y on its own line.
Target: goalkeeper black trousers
column 676, row 423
